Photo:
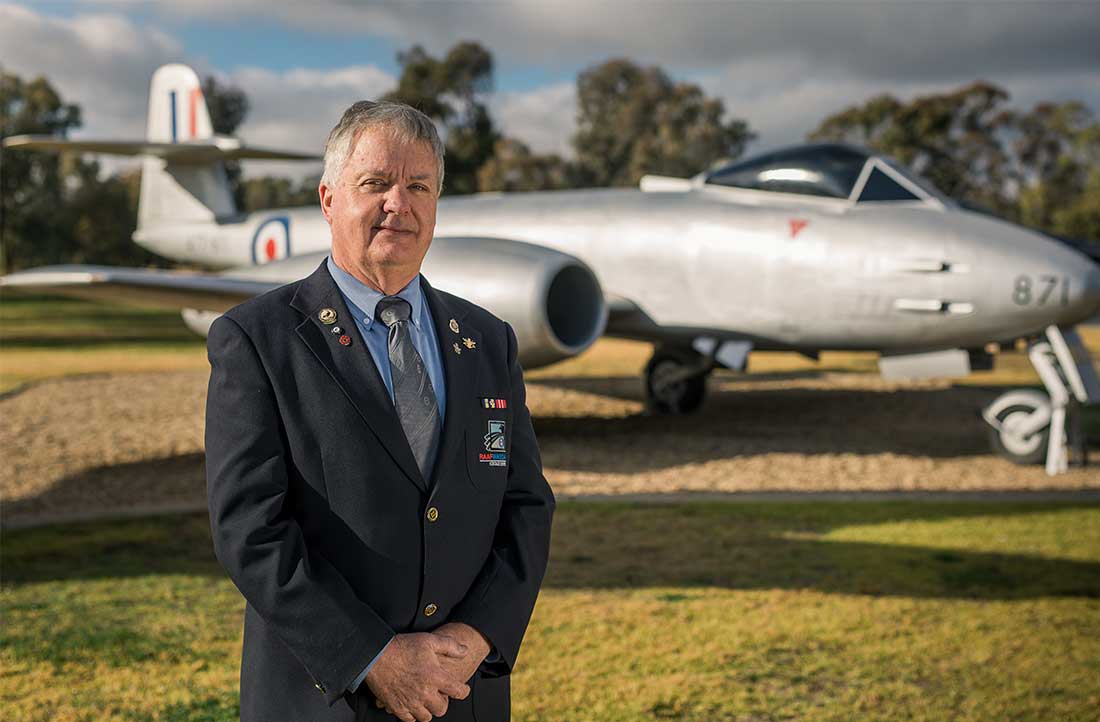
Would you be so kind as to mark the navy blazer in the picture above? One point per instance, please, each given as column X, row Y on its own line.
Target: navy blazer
column 322, row 519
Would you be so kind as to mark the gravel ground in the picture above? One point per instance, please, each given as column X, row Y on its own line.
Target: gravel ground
column 81, row 447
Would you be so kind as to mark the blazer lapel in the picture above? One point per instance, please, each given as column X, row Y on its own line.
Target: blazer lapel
column 459, row 351
column 352, row 367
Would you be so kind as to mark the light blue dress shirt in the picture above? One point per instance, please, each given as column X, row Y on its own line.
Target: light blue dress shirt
column 361, row 301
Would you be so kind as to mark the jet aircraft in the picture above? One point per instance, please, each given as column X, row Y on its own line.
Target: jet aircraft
column 809, row 248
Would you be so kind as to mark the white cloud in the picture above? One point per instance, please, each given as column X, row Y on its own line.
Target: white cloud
column 783, row 100
column 101, row 62
column 917, row 39
column 781, row 66
column 296, row 109
column 545, row 118
column 104, row 62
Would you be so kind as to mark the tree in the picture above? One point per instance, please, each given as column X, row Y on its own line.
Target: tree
column 633, row 120
column 513, row 167
column 451, row 91
column 228, row 107
column 949, row 138
column 1057, row 150
column 272, row 192
column 1040, row 167
column 54, row 208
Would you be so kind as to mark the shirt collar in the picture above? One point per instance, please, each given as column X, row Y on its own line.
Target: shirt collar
column 365, row 299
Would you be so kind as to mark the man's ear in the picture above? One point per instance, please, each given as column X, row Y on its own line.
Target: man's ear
column 325, row 195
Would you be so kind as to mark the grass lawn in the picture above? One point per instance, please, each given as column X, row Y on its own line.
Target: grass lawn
column 44, row 337
column 697, row 611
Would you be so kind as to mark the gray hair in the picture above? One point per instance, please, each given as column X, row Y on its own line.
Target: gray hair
column 406, row 123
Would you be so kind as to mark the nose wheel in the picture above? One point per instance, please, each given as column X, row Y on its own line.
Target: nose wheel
column 1020, row 426
column 1030, row 427
column 676, row 380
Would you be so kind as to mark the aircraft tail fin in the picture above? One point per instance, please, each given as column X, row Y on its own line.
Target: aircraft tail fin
column 183, row 174
column 180, row 192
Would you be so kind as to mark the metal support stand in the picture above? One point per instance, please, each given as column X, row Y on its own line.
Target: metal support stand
column 1020, row 418
column 1046, row 365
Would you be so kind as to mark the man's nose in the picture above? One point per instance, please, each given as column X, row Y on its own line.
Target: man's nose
column 397, row 200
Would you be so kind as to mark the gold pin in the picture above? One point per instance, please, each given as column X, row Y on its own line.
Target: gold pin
column 469, row 343
column 326, row 316
column 457, row 348
column 454, row 326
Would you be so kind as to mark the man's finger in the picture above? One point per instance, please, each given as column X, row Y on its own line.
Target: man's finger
column 449, row 646
column 421, row 713
column 455, row 690
column 437, row 706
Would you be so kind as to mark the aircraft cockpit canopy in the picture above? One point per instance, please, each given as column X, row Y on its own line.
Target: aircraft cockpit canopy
column 828, row 170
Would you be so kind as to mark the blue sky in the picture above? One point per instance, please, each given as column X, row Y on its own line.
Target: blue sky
column 781, row 65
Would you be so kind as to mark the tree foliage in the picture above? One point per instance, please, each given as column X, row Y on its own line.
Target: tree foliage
column 1039, row 167
column 633, row 120
column 273, row 192
column 228, row 107
column 451, row 91
column 54, row 209
column 513, row 167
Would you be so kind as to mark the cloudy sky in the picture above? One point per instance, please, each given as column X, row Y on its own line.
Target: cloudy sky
column 782, row 66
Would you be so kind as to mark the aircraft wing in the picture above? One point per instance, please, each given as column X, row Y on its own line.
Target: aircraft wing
column 146, row 287
column 199, row 152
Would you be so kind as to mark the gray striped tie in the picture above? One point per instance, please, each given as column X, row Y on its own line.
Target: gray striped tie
column 413, row 395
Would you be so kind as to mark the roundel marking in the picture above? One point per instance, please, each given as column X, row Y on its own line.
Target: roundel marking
column 271, row 241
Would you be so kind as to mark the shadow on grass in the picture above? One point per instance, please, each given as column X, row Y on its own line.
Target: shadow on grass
column 927, row 423
column 625, row 546
column 117, row 486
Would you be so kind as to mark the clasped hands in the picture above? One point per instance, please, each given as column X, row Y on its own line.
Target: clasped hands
column 418, row 674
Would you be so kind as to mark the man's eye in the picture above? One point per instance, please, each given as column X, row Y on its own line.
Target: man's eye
column 419, row 187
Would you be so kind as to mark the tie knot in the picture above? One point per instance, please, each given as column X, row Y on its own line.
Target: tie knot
column 392, row 309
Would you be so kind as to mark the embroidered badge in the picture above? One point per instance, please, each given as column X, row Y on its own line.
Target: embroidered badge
column 494, row 454
column 487, row 403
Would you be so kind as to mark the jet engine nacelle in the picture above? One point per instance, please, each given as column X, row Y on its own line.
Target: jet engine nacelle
column 552, row 300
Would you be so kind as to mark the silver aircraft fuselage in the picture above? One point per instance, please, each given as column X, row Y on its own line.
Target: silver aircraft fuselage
column 781, row 270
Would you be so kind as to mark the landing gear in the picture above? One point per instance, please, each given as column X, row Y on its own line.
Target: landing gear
column 1020, row 426
column 676, row 380
column 1030, row 427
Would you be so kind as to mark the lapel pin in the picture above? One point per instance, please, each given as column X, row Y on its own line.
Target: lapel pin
column 337, row 330
column 454, row 326
column 457, row 348
column 326, row 316
column 345, row 340
column 469, row 343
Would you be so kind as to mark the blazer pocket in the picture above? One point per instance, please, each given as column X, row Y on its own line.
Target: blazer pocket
column 486, row 467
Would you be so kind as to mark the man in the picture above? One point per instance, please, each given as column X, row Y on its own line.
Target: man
column 374, row 483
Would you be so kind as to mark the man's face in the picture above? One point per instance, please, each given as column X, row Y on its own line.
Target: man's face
column 382, row 207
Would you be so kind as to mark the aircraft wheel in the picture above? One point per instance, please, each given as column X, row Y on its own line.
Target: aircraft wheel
column 675, row 381
column 1025, row 450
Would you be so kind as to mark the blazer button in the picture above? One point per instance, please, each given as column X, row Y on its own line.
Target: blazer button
column 433, row 513
column 379, row 703
column 430, row 610
column 320, row 687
